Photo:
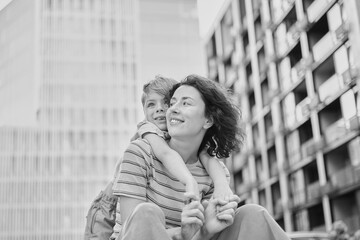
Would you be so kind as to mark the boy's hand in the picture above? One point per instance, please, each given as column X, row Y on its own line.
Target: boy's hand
column 218, row 215
column 192, row 219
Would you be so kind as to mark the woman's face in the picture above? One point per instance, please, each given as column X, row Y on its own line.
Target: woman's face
column 186, row 115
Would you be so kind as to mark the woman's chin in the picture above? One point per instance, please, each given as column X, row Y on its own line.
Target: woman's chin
column 173, row 132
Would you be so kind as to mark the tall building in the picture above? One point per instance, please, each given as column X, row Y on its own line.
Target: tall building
column 293, row 68
column 70, row 83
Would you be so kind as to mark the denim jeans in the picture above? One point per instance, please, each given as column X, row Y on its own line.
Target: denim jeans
column 101, row 216
column 251, row 221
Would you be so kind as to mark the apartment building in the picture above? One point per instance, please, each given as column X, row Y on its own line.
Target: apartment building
column 293, row 68
column 71, row 76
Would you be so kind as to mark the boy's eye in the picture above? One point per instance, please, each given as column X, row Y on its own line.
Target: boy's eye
column 150, row 104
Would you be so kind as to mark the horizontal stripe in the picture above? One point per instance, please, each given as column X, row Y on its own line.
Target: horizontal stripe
column 164, row 206
column 133, row 173
column 134, row 164
column 132, row 195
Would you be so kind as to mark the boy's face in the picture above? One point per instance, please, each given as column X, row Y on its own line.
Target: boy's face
column 155, row 110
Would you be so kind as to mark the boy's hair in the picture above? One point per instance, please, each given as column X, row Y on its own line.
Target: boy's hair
column 160, row 85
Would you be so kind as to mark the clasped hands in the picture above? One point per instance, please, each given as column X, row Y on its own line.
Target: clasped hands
column 202, row 220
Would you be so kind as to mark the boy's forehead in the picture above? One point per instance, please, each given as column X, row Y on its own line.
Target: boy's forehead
column 153, row 96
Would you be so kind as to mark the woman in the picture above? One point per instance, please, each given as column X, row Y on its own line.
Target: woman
column 152, row 201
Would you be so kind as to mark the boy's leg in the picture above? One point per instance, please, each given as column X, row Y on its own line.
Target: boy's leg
column 101, row 215
column 146, row 222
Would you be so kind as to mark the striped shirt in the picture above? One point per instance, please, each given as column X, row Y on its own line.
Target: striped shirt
column 143, row 176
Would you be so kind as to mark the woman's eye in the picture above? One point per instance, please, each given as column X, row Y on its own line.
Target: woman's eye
column 150, row 104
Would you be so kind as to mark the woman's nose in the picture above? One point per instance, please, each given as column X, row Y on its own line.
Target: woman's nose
column 173, row 108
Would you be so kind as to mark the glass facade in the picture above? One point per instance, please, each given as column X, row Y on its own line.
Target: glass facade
column 70, row 102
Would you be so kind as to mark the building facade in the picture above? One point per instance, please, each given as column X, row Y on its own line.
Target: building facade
column 293, row 69
column 70, row 84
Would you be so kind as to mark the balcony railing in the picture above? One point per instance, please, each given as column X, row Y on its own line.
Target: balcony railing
column 298, row 197
column 313, row 191
column 344, row 177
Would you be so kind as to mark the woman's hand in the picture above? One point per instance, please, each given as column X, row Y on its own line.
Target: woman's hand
column 192, row 219
column 219, row 214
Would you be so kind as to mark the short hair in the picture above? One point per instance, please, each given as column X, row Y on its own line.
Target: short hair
column 160, row 85
column 225, row 135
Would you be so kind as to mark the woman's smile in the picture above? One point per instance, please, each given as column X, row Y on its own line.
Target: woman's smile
column 174, row 121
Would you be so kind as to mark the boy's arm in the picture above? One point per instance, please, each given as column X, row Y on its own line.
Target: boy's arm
column 217, row 173
column 172, row 161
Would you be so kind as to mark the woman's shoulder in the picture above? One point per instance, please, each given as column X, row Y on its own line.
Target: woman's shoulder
column 140, row 147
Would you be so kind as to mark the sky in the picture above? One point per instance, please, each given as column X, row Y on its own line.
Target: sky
column 207, row 10
column 3, row 3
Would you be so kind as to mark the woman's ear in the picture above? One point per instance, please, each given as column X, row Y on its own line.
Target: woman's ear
column 208, row 123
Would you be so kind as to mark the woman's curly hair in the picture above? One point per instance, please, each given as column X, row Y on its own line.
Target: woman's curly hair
column 225, row 135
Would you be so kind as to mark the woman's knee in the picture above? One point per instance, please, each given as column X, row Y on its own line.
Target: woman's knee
column 254, row 222
column 250, row 211
column 147, row 221
column 148, row 210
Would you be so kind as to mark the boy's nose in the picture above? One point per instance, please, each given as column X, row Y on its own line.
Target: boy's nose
column 160, row 108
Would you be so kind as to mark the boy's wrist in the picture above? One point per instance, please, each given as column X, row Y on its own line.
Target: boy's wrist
column 221, row 183
column 192, row 187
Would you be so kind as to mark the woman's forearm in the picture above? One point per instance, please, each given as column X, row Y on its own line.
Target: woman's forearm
column 202, row 234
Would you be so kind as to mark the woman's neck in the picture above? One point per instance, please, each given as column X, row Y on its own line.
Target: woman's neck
column 188, row 150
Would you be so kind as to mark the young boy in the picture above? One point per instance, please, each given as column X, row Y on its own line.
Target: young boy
column 155, row 101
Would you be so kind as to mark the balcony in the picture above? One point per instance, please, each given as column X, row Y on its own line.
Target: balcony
column 354, row 153
column 323, row 46
column 278, row 207
column 308, row 148
column 335, row 131
column 243, row 188
column 344, row 177
column 305, row 235
column 313, row 191
column 302, row 109
column 285, row 73
column 299, row 197
column 329, row 88
column 349, row 77
column 298, row 71
column 317, row 8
